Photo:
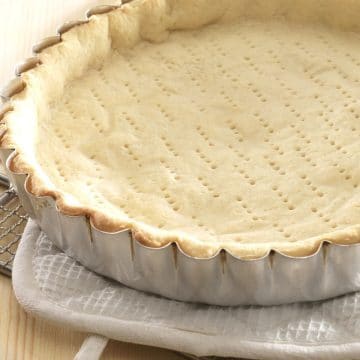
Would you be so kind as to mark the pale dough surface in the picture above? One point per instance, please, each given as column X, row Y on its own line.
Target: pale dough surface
column 242, row 135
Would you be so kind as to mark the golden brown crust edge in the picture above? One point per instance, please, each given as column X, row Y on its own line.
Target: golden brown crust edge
column 195, row 249
column 191, row 247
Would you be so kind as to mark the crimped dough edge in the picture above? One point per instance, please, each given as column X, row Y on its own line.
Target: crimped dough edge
column 151, row 20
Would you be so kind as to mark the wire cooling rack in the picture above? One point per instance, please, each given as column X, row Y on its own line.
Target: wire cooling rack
column 12, row 222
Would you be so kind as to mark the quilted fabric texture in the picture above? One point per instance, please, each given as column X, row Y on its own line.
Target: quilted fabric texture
column 323, row 330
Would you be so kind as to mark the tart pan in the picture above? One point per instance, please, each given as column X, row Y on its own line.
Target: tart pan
column 222, row 279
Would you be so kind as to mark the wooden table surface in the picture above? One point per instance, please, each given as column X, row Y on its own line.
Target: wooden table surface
column 23, row 337
column 23, row 23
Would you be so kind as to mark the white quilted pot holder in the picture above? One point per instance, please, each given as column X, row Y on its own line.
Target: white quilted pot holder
column 52, row 285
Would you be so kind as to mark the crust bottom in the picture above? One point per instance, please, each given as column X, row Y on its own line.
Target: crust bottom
column 97, row 32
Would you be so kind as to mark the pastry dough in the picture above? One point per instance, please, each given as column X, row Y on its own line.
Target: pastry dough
column 216, row 124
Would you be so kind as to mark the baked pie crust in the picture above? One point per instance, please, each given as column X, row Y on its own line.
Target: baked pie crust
column 214, row 124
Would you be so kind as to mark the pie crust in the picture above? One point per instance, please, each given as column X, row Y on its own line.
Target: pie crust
column 214, row 124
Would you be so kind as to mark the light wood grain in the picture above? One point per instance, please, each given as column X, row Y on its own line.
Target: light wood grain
column 22, row 337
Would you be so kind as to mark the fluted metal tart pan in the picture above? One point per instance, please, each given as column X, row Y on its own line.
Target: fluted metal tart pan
column 223, row 279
